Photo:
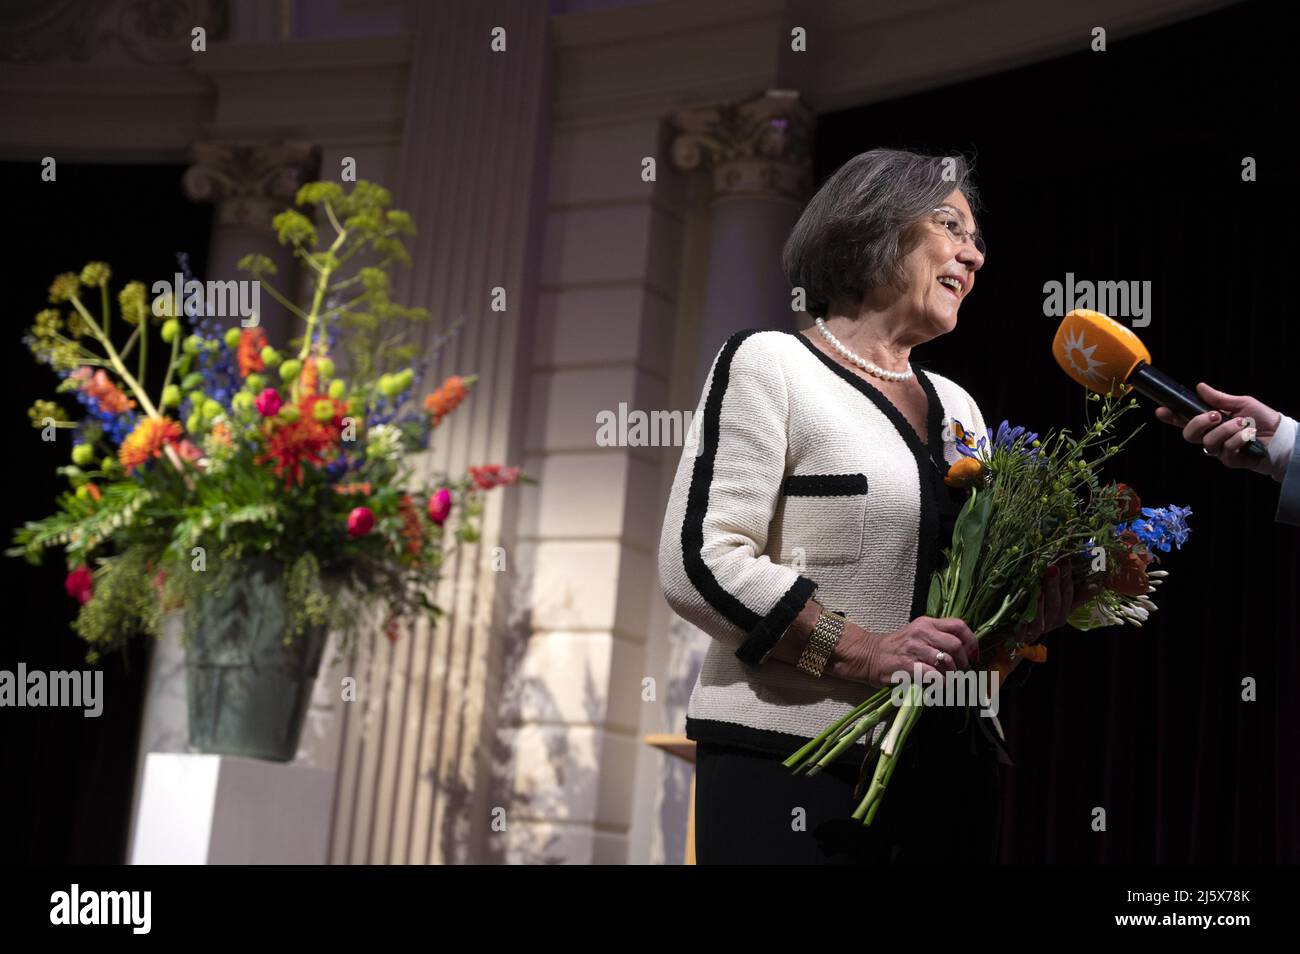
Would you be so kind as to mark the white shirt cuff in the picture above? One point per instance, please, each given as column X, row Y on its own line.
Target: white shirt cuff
column 1280, row 448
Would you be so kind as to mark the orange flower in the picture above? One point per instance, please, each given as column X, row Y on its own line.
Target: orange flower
column 353, row 488
column 148, row 439
column 447, row 398
column 308, row 377
column 966, row 472
column 107, row 395
column 94, row 491
column 1034, row 652
column 221, row 433
column 251, row 343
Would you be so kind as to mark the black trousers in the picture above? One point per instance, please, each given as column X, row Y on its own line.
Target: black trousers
column 942, row 805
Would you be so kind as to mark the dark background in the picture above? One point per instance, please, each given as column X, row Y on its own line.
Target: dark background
column 68, row 779
column 1123, row 165
column 1126, row 165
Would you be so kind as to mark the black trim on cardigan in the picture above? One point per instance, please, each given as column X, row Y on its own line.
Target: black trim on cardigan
column 767, row 741
column 824, row 485
column 764, row 631
column 930, row 467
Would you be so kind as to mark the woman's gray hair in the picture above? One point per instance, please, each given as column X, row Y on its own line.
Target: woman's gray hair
column 854, row 233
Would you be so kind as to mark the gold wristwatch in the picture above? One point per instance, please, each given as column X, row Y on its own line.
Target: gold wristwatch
column 821, row 642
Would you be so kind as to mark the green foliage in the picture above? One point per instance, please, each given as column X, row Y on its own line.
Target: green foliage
column 125, row 603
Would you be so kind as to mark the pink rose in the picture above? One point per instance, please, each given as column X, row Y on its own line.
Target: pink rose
column 80, row 584
column 360, row 521
column 440, row 506
column 268, row 403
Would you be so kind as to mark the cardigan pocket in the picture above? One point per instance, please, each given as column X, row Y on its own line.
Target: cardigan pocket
column 821, row 519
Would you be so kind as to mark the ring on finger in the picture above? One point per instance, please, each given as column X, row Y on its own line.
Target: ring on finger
column 939, row 657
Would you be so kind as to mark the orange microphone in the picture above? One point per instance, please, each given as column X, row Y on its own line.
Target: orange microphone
column 1104, row 356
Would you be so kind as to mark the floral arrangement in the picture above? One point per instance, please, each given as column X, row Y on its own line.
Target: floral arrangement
column 1031, row 501
column 248, row 450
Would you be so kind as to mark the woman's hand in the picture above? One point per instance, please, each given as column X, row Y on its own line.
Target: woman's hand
column 873, row 658
column 1057, row 599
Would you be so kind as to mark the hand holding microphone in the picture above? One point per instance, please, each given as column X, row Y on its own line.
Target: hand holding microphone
column 1223, row 435
column 1104, row 356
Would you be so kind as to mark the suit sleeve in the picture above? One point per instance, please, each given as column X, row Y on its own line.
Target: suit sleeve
column 1288, row 502
column 712, row 567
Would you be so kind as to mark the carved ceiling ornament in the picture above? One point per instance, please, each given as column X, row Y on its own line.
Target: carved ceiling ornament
column 762, row 146
column 104, row 31
column 248, row 182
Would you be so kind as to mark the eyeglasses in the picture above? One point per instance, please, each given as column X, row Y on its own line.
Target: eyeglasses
column 949, row 220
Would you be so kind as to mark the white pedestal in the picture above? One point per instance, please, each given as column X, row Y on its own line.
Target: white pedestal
column 219, row 810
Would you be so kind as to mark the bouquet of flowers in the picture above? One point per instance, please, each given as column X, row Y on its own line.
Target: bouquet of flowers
column 249, row 450
column 1031, row 501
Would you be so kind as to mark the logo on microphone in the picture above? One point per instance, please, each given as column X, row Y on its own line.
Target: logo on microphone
column 1117, row 299
column 1076, row 350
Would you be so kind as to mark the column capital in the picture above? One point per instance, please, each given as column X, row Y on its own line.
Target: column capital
column 248, row 182
column 761, row 146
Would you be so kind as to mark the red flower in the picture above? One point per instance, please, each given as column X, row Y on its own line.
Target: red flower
column 412, row 529
column 268, row 403
column 305, row 440
column 1128, row 498
column 1129, row 575
column 360, row 521
column 493, row 475
column 440, row 506
column 80, row 584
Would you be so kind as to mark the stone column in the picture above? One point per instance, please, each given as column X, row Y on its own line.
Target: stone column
column 760, row 155
column 249, row 184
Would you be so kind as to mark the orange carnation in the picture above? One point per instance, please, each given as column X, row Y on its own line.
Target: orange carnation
column 148, row 439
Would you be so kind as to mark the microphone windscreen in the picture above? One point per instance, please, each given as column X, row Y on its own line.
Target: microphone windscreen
column 1097, row 352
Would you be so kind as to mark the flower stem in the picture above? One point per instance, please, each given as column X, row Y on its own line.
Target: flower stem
column 830, row 731
column 116, row 360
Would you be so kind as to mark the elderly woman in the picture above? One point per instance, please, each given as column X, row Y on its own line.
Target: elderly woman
column 808, row 512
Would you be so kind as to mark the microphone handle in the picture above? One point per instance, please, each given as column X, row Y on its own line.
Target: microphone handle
column 1162, row 389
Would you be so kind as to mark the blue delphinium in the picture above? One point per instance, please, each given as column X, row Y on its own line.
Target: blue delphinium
column 219, row 367
column 1161, row 526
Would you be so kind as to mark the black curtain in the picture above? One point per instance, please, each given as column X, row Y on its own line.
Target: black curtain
column 68, row 779
column 1126, row 165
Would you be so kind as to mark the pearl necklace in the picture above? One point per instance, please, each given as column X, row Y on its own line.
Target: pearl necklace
column 860, row 361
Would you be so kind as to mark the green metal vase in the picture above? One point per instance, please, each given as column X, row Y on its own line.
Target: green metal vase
column 248, row 691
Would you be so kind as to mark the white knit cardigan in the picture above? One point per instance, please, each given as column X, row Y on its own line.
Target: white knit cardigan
column 798, row 477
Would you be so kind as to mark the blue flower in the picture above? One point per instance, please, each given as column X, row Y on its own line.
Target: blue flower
column 1160, row 527
column 1004, row 438
column 1007, row 436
